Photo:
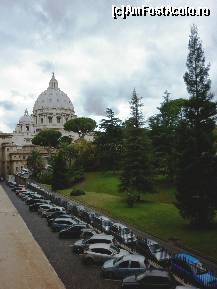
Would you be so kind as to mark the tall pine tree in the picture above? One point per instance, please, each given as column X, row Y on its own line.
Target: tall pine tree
column 197, row 172
column 109, row 142
column 136, row 168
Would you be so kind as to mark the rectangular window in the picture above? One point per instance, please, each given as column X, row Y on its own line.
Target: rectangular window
column 41, row 120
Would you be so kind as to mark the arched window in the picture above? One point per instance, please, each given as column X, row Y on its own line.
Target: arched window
column 50, row 119
column 41, row 120
column 58, row 119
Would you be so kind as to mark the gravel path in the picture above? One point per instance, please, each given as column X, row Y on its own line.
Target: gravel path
column 69, row 267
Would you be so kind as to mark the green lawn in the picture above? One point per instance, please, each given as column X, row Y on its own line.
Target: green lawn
column 155, row 215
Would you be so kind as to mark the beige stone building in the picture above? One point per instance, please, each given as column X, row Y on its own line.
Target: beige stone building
column 51, row 110
column 13, row 158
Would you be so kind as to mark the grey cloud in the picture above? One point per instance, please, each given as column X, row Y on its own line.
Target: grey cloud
column 48, row 27
column 46, row 66
column 7, row 105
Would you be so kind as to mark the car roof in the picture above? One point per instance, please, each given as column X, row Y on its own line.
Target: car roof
column 63, row 219
column 100, row 245
column 105, row 218
column 134, row 257
column 103, row 236
column 120, row 225
column 156, row 273
column 47, row 205
column 151, row 242
column 188, row 258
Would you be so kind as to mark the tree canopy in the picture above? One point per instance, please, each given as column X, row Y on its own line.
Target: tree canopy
column 47, row 138
column 80, row 125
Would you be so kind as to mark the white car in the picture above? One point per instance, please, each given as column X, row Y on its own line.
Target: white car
column 99, row 253
column 43, row 208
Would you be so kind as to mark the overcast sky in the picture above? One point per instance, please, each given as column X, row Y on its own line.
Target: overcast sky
column 97, row 60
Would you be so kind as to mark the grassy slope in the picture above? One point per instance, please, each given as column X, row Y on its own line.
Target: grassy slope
column 156, row 215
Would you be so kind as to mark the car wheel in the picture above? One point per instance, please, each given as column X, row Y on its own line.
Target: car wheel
column 77, row 250
column 88, row 261
column 109, row 275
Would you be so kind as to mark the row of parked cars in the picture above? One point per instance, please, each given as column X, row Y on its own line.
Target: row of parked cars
column 139, row 262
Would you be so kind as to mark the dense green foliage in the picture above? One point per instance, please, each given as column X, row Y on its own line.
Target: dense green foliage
column 47, row 138
column 109, row 142
column 136, row 173
column 163, row 128
column 197, row 171
column 80, row 125
column 65, row 172
column 35, row 164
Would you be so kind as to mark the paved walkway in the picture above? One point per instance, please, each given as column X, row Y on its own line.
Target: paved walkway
column 23, row 265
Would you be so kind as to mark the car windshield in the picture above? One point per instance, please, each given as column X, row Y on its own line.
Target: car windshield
column 155, row 248
column 117, row 260
column 200, row 269
column 115, row 249
column 126, row 231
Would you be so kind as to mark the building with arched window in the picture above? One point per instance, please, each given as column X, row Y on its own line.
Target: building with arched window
column 52, row 109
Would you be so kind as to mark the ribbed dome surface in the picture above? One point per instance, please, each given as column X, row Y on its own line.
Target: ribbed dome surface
column 53, row 97
column 26, row 118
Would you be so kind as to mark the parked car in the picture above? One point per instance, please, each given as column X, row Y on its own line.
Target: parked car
column 73, row 231
column 11, row 184
column 123, row 234
column 99, row 253
column 61, row 215
column 36, row 205
column 86, row 215
column 17, row 187
column 54, row 209
column 20, row 189
column 102, row 223
column 32, row 198
column 61, row 224
column 186, row 287
column 87, row 233
column 150, row 279
column 154, row 251
column 81, row 245
column 124, row 266
column 43, row 208
column 192, row 271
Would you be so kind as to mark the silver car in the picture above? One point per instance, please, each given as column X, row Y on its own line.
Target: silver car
column 124, row 266
column 99, row 253
column 43, row 208
column 87, row 233
column 54, row 209
column 82, row 245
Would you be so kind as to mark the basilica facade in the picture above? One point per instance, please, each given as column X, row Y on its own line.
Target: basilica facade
column 52, row 109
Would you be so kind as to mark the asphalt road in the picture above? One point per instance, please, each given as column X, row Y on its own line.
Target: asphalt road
column 68, row 266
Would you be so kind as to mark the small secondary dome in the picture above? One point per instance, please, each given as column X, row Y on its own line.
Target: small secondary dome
column 26, row 118
column 53, row 98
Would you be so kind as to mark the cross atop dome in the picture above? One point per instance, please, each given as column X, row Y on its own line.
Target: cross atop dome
column 53, row 82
